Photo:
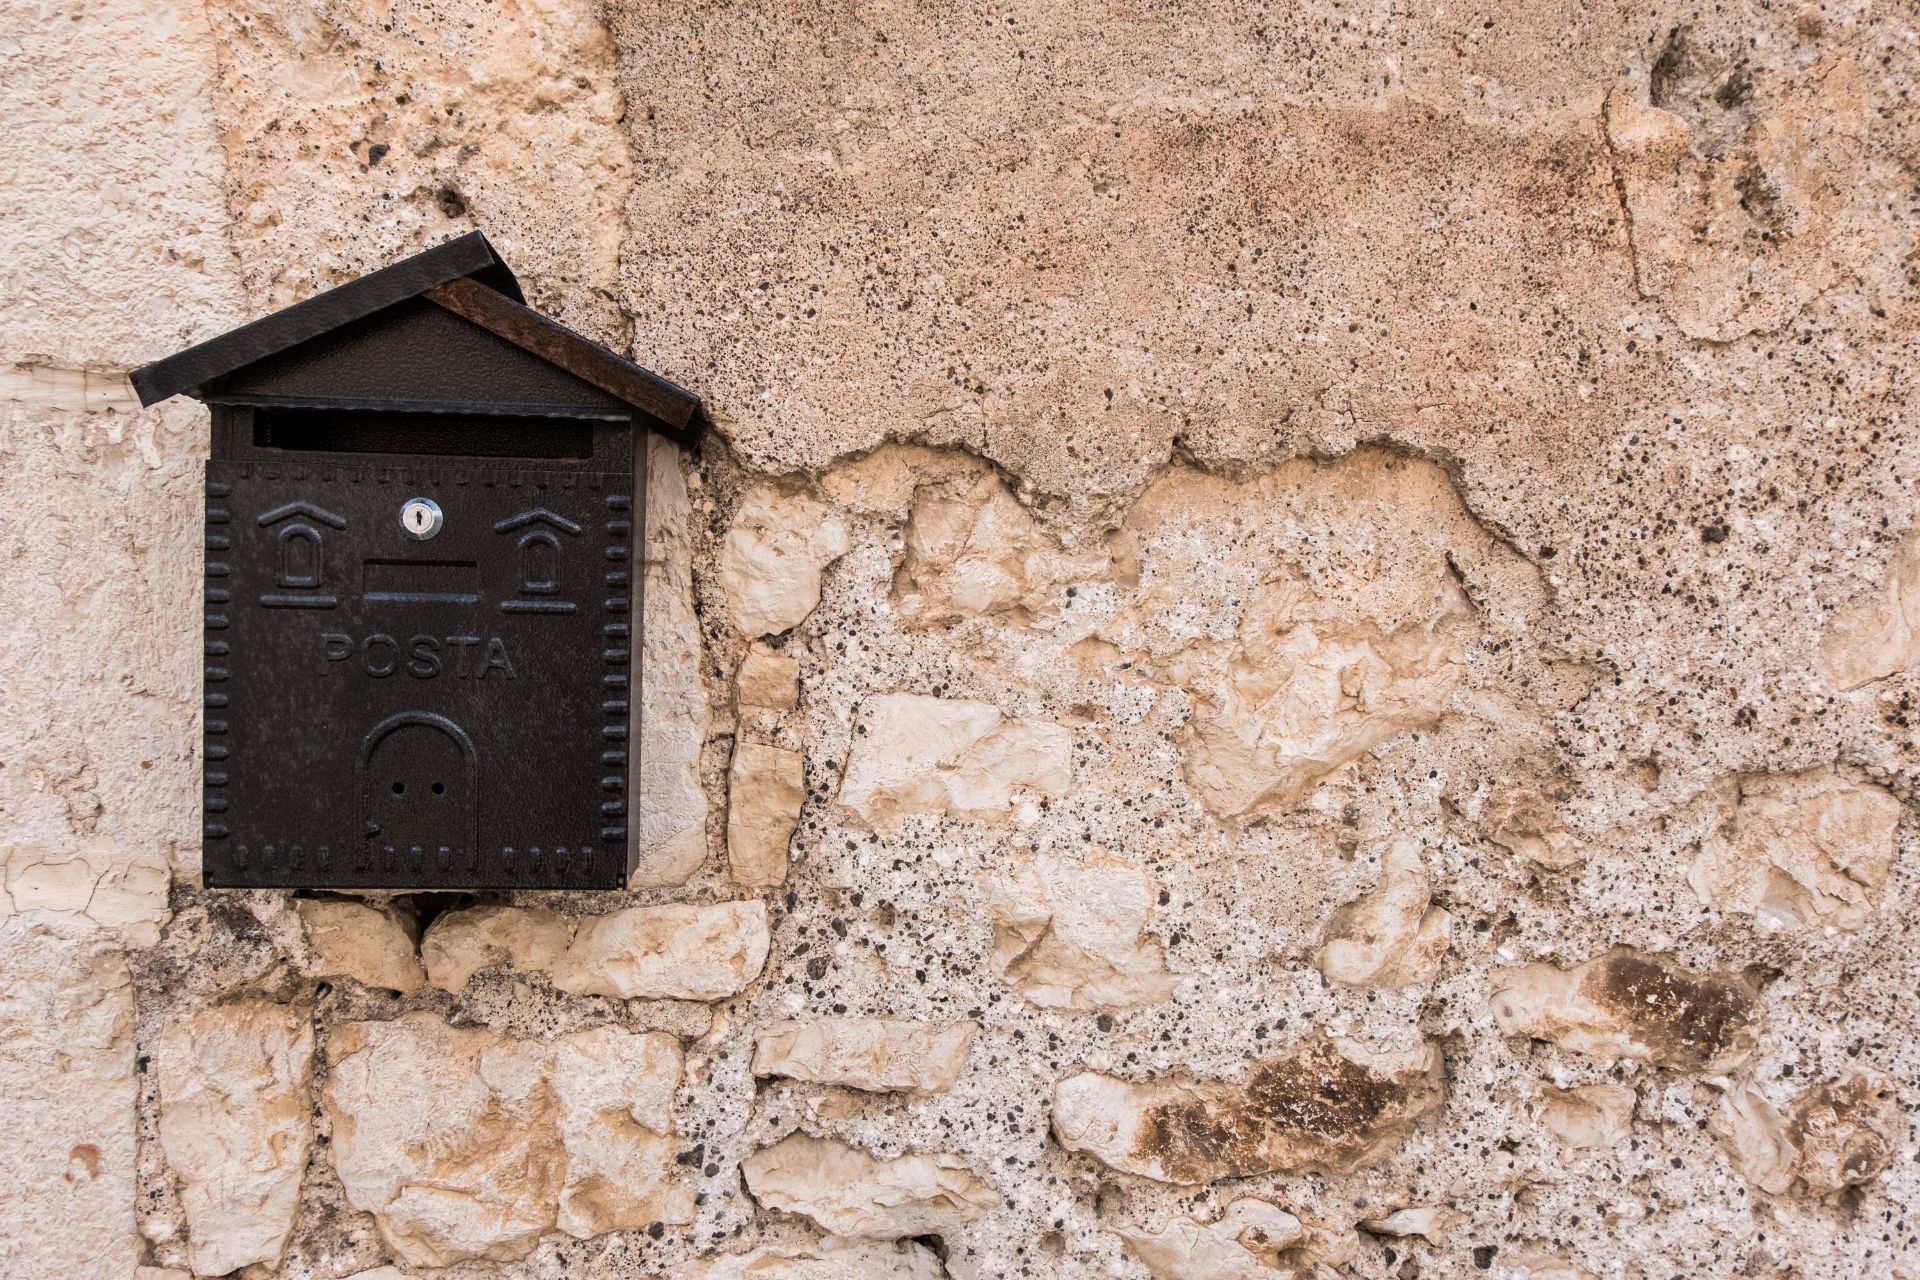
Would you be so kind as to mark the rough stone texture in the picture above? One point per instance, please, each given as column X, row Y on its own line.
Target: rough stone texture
column 847, row 1192
column 675, row 712
column 464, row 1145
column 771, row 560
column 916, row 754
column 1878, row 634
column 1389, row 936
column 670, row 952
column 1739, row 241
column 354, row 135
column 1300, row 652
column 1323, row 1106
column 881, row 1055
column 1589, row 1115
column 66, row 1102
column 614, row 1093
column 1524, row 821
column 461, row 943
column 1430, row 1221
column 1811, row 849
column 93, row 884
column 1831, row 1137
column 1244, row 1243
column 1627, row 1005
column 766, row 681
column 829, row 1260
column 765, row 789
column 236, row 1128
column 117, row 233
column 372, row 945
column 972, row 549
column 1307, row 429
column 1068, row 933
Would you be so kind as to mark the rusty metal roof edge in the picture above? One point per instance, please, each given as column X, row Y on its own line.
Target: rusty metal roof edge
column 189, row 370
column 668, row 407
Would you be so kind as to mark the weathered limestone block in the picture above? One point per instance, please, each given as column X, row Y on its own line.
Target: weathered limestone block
column 1833, row 1136
column 1328, row 1248
column 1430, row 1222
column 380, row 1273
column 461, row 943
column 827, row 1260
column 681, row 951
column 66, row 1102
column 1753, row 1133
column 464, row 1144
column 236, row 1127
column 765, row 790
column 1597, row 1116
column 766, row 681
column 1391, row 936
column 1879, row 633
column 1847, row 1132
column 673, row 732
column 880, row 1055
column 1538, row 1264
column 614, row 1091
column 1801, row 849
column 1523, row 821
column 1243, row 1243
column 1627, row 1005
column 93, row 884
column 372, row 945
column 772, row 558
column 1069, row 933
column 675, row 952
column 1327, row 1105
column 972, row 549
column 916, row 754
column 446, row 1136
column 1301, row 652
column 1307, row 694
column 1726, row 261
column 847, row 1192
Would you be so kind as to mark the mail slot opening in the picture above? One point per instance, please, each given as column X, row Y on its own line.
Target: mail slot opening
column 440, row 435
column 422, row 581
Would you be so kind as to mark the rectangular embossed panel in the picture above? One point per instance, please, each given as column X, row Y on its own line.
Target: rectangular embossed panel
column 386, row 711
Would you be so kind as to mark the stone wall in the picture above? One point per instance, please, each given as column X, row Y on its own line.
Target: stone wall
column 1293, row 657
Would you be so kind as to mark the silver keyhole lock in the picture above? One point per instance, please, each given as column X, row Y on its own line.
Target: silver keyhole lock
column 421, row 518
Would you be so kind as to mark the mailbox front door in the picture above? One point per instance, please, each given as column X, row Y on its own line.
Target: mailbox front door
column 392, row 710
column 421, row 788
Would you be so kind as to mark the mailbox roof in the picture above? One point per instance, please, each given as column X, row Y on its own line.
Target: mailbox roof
column 464, row 276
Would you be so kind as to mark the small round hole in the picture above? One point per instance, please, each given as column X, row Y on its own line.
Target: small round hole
column 439, row 788
column 399, row 788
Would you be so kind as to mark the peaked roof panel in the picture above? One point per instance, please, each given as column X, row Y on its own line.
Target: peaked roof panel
column 467, row 278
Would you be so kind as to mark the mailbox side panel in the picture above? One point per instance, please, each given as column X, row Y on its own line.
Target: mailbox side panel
column 386, row 711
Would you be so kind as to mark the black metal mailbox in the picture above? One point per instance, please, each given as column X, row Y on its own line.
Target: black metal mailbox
column 423, row 590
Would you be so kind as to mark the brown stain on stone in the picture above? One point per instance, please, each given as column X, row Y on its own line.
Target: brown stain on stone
column 1842, row 1126
column 1311, row 1108
column 1320, row 1093
column 1689, row 1021
column 87, row 1157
